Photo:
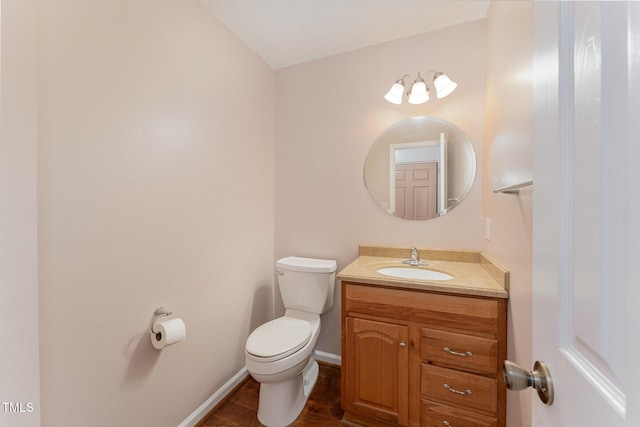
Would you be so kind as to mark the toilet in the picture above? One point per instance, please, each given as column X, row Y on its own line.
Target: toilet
column 279, row 353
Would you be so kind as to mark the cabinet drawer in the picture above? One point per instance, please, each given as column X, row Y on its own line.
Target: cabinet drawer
column 466, row 314
column 459, row 388
column 436, row 415
column 465, row 352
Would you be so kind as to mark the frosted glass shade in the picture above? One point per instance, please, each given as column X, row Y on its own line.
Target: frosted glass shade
column 394, row 95
column 419, row 93
column 444, row 85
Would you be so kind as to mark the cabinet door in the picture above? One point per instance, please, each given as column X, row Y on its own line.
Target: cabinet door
column 377, row 369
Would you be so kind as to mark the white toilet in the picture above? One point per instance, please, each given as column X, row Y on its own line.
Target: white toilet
column 279, row 353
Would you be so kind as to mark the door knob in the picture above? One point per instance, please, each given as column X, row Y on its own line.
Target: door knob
column 517, row 378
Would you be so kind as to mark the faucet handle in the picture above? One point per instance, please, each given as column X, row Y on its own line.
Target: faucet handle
column 414, row 259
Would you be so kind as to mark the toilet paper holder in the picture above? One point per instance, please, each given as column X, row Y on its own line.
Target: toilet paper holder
column 158, row 313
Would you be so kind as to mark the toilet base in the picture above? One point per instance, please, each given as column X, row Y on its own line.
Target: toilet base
column 280, row 403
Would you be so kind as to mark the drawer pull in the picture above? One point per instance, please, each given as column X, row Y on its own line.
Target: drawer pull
column 457, row 353
column 453, row 390
column 446, row 423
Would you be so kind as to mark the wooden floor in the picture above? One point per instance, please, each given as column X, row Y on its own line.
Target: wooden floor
column 322, row 409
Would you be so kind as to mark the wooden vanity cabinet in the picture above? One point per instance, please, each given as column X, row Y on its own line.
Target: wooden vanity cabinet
column 422, row 358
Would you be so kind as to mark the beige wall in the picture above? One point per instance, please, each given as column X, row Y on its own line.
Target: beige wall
column 508, row 160
column 156, row 187
column 19, row 379
column 328, row 114
column 153, row 190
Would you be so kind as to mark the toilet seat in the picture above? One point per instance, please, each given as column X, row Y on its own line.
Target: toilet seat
column 278, row 339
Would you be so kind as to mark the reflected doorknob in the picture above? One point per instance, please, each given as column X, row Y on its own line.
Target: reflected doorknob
column 517, row 378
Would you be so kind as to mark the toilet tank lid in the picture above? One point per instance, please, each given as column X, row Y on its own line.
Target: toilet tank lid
column 311, row 265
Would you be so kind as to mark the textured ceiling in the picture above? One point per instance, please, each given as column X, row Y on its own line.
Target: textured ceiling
column 289, row 32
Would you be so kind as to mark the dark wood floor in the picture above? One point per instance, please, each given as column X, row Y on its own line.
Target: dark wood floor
column 240, row 409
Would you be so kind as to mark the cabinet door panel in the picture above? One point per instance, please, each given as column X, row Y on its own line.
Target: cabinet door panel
column 377, row 369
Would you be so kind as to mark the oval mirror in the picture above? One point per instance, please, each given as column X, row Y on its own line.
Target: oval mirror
column 420, row 168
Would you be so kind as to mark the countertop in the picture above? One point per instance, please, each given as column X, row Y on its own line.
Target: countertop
column 473, row 273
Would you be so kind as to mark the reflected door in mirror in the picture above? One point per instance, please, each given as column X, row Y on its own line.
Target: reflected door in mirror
column 416, row 190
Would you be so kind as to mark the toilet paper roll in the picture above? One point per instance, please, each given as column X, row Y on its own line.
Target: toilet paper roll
column 168, row 332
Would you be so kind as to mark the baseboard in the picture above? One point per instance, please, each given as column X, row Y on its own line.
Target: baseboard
column 217, row 397
column 333, row 359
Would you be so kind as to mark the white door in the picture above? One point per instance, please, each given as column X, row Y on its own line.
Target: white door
column 586, row 300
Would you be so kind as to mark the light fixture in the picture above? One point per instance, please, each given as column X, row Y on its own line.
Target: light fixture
column 419, row 93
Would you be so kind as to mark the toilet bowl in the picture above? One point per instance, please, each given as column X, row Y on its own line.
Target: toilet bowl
column 279, row 353
column 285, row 374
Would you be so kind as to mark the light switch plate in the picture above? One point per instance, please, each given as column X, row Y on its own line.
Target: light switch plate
column 487, row 228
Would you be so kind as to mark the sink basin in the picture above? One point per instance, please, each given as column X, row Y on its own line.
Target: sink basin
column 414, row 273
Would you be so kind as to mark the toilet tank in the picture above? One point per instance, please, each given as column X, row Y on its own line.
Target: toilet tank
column 307, row 284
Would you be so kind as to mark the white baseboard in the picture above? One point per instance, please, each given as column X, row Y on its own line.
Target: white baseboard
column 215, row 398
column 334, row 359
column 228, row 387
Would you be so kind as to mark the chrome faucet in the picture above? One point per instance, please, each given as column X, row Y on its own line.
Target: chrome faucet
column 414, row 259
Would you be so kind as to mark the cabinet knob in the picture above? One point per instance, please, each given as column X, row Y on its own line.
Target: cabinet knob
column 403, row 344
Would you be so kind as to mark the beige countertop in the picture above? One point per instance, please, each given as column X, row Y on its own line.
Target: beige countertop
column 473, row 273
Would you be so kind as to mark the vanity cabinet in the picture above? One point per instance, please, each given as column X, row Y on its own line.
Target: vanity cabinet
column 422, row 358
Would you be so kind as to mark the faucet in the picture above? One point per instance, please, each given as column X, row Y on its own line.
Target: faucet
column 414, row 259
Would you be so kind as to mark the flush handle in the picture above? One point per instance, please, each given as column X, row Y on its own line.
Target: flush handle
column 517, row 378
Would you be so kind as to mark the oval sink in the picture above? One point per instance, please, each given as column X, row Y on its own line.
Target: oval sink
column 414, row 273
